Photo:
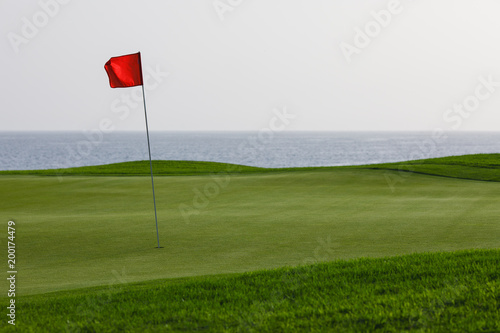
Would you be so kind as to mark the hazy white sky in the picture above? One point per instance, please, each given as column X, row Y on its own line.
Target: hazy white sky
column 226, row 64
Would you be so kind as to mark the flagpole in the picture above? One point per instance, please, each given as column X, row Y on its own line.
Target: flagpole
column 150, row 164
column 149, row 150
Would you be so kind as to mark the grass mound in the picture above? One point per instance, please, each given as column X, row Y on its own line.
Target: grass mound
column 475, row 167
column 139, row 168
column 458, row 291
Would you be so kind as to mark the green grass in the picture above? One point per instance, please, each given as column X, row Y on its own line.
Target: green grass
column 477, row 167
column 94, row 226
column 136, row 168
column 73, row 233
column 447, row 292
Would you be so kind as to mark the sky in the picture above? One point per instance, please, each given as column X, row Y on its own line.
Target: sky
column 230, row 65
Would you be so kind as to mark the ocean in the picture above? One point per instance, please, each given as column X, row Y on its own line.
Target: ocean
column 54, row 150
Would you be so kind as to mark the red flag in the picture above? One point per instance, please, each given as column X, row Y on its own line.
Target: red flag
column 124, row 71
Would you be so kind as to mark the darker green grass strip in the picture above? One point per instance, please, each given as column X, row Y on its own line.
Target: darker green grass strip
column 451, row 171
column 484, row 167
column 431, row 292
column 138, row 168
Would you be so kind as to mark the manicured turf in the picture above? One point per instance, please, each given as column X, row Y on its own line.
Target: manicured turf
column 137, row 168
column 75, row 231
column 478, row 167
column 439, row 292
column 95, row 226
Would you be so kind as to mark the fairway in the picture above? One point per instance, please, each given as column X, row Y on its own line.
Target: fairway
column 82, row 231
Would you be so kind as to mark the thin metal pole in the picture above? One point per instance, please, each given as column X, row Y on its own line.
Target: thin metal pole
column 150, row 165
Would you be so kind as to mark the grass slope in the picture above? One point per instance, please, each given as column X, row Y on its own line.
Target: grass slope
column 476, row 167
column 137, row 168
column 452, row 292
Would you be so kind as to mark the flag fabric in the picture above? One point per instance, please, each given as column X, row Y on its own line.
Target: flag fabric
column 124, row 71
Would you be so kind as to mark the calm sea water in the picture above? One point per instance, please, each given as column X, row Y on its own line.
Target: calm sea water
column 42, row 150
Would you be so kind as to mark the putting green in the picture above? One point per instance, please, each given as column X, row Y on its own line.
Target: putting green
column 81, row 231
